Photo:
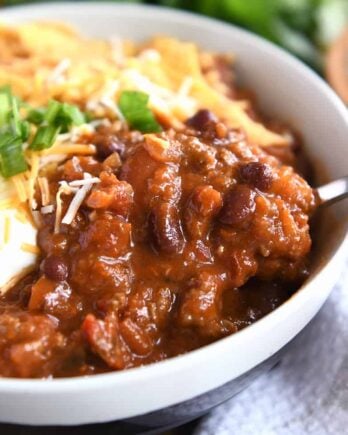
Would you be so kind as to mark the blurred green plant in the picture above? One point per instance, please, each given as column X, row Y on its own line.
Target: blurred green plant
column 304, row 27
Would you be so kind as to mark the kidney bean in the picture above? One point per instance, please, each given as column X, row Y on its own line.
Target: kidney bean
column 165, row 229
column 202, row 119
column 257, row 174
column 55, row 268
column 238, row 206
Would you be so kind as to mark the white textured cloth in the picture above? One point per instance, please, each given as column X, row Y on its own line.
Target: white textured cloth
column 307, row 393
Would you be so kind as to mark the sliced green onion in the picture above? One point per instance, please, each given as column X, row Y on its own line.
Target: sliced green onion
column 133, row 105
column 68, row 116
column 59, row 114
column 44, row 137
column 25, row 130
column 23, row 104
column 71, row 114
column 53, row 109
column 6, row 89
column 10, row 119
column 14, row 130
column 58, row 117
column 5, row 108
column 11, row 156
column 36, row 116
column 15, row 120
column 6, row 139
column 88, row 117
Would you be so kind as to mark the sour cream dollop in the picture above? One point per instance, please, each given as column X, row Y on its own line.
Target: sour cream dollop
column 18, row 244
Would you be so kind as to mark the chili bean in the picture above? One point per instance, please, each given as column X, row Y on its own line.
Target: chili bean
column 165, row 228
column 257, row 174
column 201, row 120
column 108, row 144
column 55, row 268
column 239, row 205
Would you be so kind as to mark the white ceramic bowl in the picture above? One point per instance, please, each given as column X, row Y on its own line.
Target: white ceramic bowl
column 286, row 89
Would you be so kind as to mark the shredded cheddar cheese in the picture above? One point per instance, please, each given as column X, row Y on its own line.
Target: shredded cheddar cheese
column 7, row 229
column 44, row 189
column 33, row 249
column 11, row 202
column 20, row 185
column 21, row 217
column 25, row 211
column 79, row 149
column 170, row 71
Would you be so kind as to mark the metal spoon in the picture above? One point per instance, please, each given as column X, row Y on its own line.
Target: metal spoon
column 333, row 191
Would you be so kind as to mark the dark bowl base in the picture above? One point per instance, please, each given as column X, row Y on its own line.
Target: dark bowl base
column 158, row 421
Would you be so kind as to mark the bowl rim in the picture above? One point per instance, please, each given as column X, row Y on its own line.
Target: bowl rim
column 174, row 364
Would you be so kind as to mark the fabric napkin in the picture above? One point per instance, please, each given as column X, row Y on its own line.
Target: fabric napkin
column 307, row 393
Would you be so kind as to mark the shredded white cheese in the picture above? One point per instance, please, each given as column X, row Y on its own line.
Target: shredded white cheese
column 101, row 122
column 58, row 74
column 81, row 130
column 36, row 217
column 77, row 183
column 47, row 209
column 185, row 87
column 64, row 188
column 51, row 158
column 162, row 99
column 150, row 54
column 63, row 137
column 78, row 199
column 106, row 99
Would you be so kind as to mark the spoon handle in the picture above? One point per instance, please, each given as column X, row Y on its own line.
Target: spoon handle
column 334, row 191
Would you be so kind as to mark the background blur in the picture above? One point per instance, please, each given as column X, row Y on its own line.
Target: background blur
column 307, row 28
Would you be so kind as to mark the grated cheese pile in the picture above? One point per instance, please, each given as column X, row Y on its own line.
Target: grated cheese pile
column 18, row 248
column 51, row 60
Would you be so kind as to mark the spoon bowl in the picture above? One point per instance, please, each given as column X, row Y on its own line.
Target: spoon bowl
column 334, row 191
